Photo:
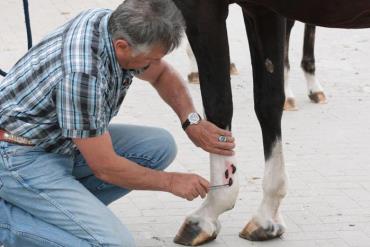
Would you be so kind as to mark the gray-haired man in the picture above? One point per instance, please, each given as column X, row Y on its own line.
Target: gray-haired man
column 61, row 161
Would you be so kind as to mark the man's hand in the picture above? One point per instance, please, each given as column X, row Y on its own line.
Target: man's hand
column 188, row 186
column 205, row 135
column 117, row 170
column 173, row 89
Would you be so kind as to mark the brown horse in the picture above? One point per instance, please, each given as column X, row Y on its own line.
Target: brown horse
column 266, row 29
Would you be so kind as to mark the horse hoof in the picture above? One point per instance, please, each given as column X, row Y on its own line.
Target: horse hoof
column 290, row 105
column 191, row 234
column 193, row 77
column 318, row 97
column 233, row 69
column 253, row 231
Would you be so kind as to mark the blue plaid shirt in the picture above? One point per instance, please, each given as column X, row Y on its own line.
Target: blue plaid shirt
column 70, row 85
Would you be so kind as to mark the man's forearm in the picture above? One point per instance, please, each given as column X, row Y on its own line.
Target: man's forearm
column 127, row 174
column 172, row 88
column 112, row 168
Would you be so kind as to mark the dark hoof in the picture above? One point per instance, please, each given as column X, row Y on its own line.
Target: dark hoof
column 233, row 69
column 190, row 234
column 193, row 77
column 318, row 97
column 254, row 231
column 290, row 105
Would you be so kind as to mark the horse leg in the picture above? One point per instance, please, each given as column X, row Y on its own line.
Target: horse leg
column 193, row 76
column 290, row 104
column 315, row 90
column 208, row 38
column 266, row 32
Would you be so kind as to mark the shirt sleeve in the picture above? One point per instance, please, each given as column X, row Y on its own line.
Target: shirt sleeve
column 79, row 104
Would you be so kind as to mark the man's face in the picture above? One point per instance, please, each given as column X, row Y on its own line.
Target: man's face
column 128, row 59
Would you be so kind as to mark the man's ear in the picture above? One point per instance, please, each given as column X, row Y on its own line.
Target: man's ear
column 121, row 47
column 121, row 44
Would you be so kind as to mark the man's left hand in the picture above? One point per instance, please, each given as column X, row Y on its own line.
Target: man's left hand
column 206, row 135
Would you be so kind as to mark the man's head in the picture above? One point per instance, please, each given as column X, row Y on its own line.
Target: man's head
column 143, row 31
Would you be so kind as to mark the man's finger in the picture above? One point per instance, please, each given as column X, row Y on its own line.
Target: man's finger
column 223, row 132
column 215, row 142
column 225, row 145
column 230, row 139
column 190, row 196
column 204, row 183
column 195, row 192
column 225, row 138
column 201, row 191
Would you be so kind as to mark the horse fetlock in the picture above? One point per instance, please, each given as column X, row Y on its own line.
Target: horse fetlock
column 223, row 199
column 276, row 187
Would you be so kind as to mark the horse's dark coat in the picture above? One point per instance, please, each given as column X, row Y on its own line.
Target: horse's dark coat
column 266, row 30
column 206, row 30
column 328, row 13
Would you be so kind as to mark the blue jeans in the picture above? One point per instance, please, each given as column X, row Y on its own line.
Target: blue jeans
column 48, row 199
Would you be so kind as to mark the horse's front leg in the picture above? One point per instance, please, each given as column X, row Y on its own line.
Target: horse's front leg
column 202, row 225
column 208, row 38
column 266, row 34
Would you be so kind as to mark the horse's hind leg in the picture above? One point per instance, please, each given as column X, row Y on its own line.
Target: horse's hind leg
column 290, row 103
column 193, row 76
column 315, row 90
column 266, row 32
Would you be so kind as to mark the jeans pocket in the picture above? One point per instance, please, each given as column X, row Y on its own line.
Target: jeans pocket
column 20, row 150
column 16, row 157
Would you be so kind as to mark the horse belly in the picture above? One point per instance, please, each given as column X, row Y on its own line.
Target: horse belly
column 334, row 13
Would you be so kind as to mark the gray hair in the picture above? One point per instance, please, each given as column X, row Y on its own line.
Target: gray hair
column 144, row 23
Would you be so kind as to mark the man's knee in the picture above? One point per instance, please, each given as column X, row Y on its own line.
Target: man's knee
column 166, row 149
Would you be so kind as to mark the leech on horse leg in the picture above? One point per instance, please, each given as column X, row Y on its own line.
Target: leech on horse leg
column 202, row 225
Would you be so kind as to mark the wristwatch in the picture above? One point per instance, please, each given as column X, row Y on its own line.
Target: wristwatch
column 193, row 118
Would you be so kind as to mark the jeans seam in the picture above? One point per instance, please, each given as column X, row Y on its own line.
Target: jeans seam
column 47, row 197
column 29, row 235
column 144, row 157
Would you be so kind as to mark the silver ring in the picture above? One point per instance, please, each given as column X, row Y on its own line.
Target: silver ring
column 222, row 139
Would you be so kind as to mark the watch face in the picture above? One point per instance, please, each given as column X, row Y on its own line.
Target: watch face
column 193, row 118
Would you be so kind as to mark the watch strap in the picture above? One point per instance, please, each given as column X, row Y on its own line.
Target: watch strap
column 187, row 122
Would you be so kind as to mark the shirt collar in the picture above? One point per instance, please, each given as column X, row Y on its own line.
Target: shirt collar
column 117, row 70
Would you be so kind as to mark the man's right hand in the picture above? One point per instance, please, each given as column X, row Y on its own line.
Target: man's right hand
column 114, row 169
column 188, row 186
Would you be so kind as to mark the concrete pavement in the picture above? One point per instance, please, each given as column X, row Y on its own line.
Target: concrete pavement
column 326, row 146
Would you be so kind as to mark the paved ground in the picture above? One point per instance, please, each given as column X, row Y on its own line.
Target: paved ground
column 326, row 147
